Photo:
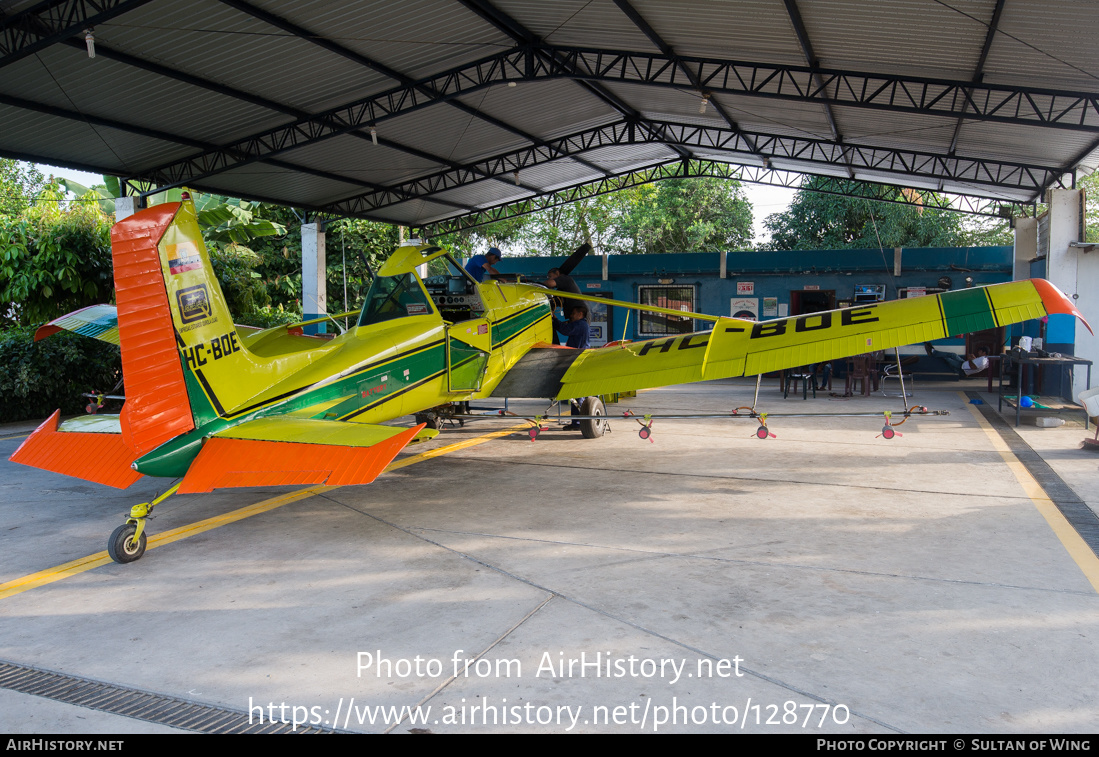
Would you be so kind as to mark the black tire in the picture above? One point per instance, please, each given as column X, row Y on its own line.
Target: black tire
column 121, row 546
column 432, row 421
column 593, row 429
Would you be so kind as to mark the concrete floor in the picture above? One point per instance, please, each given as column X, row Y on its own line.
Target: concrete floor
column 909, row 585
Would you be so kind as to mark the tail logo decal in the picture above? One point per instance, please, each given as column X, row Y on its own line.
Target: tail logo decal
column 194, row 303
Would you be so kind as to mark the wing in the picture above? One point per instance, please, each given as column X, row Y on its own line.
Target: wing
column 98, row 321
column 738, row 348
column 281, row 450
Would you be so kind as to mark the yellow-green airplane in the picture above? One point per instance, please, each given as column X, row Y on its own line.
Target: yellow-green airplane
column 217, row 405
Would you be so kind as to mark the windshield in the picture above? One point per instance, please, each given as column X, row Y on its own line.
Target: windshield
column 394, row 297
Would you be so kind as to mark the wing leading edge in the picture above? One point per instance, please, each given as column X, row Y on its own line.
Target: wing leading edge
column 738, row 348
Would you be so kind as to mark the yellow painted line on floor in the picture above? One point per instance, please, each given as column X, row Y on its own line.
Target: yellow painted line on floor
column 75, row 567
column 19, row 436
column 1076, row 547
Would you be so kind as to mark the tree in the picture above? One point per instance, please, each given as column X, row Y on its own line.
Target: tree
column 1090, row 185
column 819, row 221
column 687, row 215
column 55, row 257
column 19, row 185
column 674, row 215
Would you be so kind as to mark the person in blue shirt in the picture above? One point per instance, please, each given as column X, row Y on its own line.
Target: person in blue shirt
column 575, row 328
column 578, row 332
column 479, row 265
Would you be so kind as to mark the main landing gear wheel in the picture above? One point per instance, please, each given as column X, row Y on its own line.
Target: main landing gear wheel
column 595, row 427
column 122, row 547
column 430, row 420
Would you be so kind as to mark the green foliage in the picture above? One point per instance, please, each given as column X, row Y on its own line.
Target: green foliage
column 280, row 263
column 18, row 185
column 688, row 215
column 818, row 221
column 1090, row 185
column 228, row 221
column 267, row 317
column 243, row 287
column 37, row 378
column 674, row 215
column 54, row 258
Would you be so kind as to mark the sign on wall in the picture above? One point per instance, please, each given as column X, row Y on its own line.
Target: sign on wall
column 744, row 307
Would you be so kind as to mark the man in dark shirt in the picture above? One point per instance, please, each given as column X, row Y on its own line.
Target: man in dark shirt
column 564, row 283
column 575, row 328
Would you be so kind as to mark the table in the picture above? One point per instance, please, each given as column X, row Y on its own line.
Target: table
column 1065, row 361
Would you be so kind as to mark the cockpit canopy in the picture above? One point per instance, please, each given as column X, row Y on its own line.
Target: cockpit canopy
column 394, row 297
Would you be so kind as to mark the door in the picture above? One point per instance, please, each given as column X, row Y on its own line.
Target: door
column 468, row 345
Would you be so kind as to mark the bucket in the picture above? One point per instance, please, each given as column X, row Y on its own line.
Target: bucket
column 1090, row 401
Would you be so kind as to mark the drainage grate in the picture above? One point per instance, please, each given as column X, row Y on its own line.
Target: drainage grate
column 134, row 703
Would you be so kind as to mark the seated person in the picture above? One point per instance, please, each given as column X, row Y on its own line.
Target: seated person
column 970, row 366
column 478, row 265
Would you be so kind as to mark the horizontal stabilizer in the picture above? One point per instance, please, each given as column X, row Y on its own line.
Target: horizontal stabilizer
column 256, row 453
column 93, row 456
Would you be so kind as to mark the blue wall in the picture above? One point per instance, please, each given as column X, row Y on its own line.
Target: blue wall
column 774, row 274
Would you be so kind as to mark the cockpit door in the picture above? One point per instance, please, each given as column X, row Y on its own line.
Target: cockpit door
column 468, row 345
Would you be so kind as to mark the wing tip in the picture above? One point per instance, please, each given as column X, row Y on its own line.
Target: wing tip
column 1057, row 303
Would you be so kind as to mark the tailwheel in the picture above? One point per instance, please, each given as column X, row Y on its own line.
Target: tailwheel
column 125, row 544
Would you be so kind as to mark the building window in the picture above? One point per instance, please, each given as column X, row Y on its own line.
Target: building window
column 671, row 297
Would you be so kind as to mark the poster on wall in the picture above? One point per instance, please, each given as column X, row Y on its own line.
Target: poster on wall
column 744, row 307
column 770, row 307
column 744, row 288
column 599, row 324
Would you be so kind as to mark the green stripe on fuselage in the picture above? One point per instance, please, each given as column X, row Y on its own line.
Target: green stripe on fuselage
column 505, row 329
column 373, row 386
column 966, row 311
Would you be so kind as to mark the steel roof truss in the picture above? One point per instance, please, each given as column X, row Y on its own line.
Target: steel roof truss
column 766, row 146
column 45, row 24
column 679, row 169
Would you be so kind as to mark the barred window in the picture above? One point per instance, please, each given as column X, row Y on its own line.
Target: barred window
column 672, row 298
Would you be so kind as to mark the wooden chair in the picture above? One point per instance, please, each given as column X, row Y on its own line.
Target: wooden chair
column 862, row 368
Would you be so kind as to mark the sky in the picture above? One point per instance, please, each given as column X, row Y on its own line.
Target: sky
column 765, row 200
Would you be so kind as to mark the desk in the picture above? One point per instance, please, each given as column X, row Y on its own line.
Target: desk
column 1065, row 361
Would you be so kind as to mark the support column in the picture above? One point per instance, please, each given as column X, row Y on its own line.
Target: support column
column 1026, row 247
column 1076, row 273
column 124, row 207
column 314, row 299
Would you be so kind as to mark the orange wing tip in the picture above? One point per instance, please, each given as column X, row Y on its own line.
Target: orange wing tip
column 1056, row 302
column 227, row 463
column 44, row 331
column 102, row 458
